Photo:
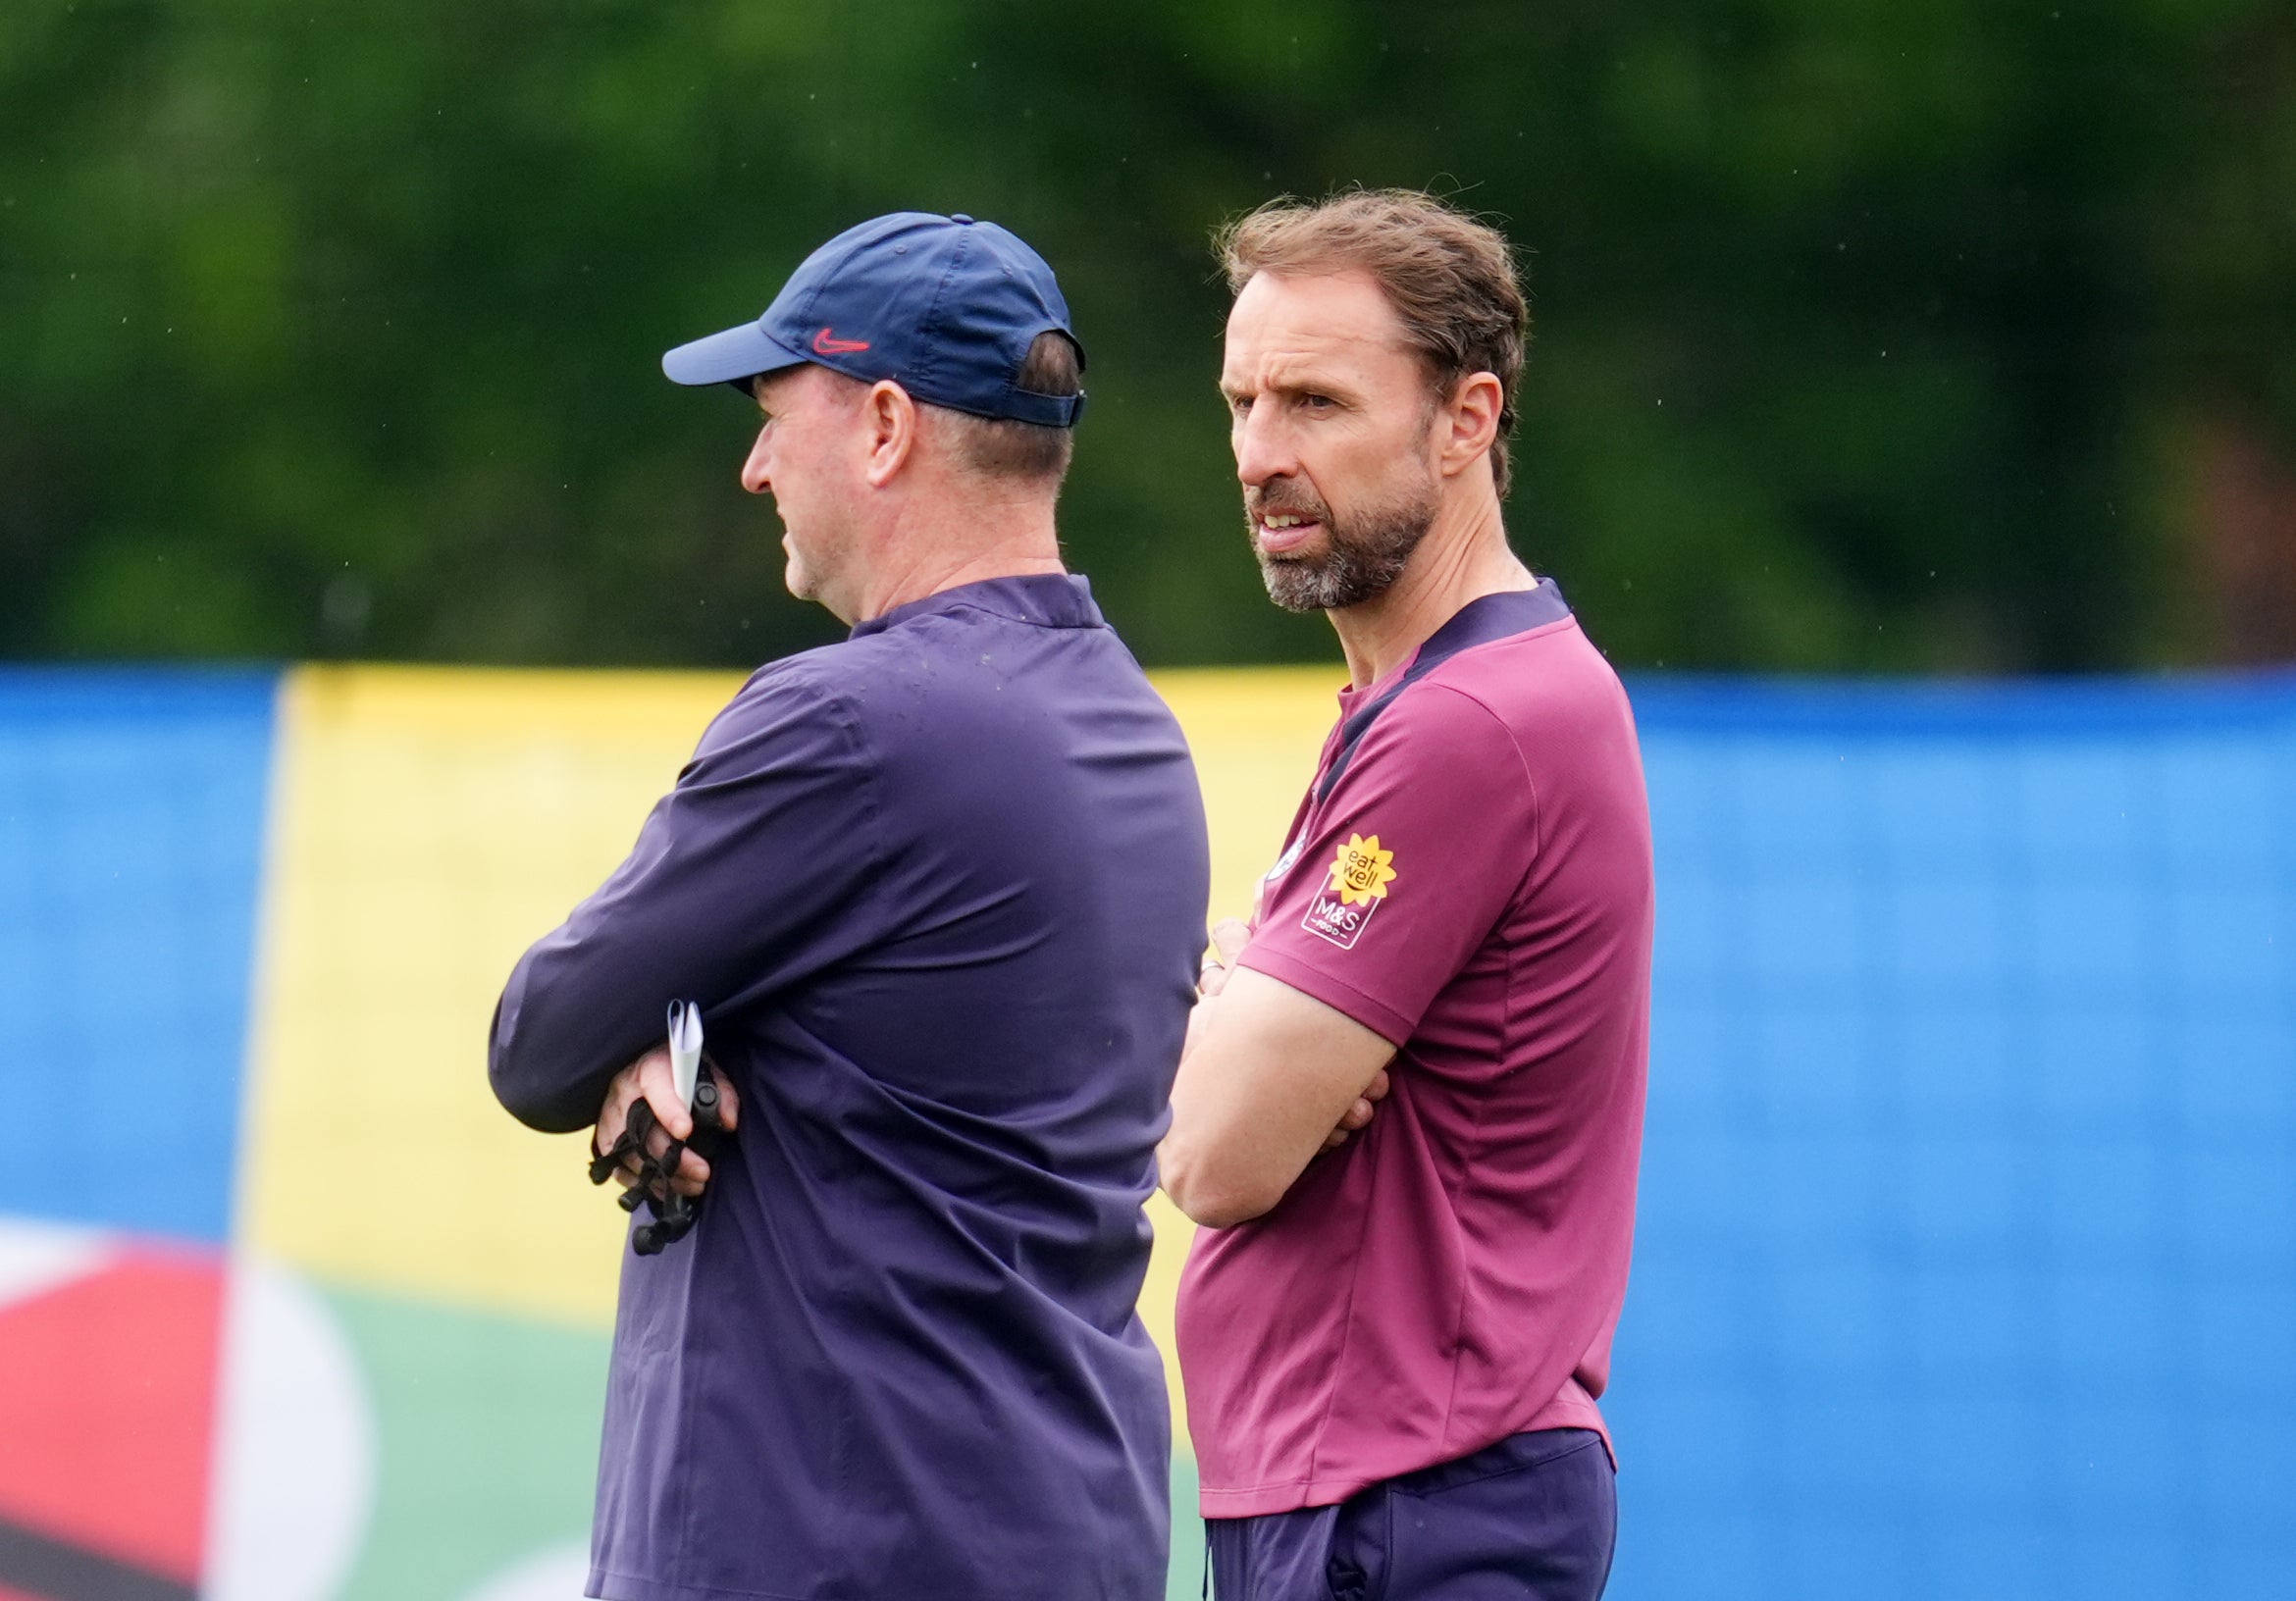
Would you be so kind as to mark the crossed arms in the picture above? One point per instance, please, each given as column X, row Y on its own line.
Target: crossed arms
column 1268, row 1078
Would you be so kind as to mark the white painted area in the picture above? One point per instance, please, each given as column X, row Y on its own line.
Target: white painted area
column 294, row 1463
column 40, row 1256
column 560, row 1573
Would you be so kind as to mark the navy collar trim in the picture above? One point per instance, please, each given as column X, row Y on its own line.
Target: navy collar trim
column 1482, row 621
column 1046, row 599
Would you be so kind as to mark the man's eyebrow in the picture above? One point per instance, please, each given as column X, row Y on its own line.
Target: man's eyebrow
column 1288, row 382
column 1323, row 383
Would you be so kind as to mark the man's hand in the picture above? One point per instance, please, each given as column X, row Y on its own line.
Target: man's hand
column 1229, row 935
column 651, row 1078
column 1228, row 938
column 1359, row 1115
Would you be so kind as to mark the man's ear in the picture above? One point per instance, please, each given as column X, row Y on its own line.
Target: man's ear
column 1467, row 425
column 890, row 417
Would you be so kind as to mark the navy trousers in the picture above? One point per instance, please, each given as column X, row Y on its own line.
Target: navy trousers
column 1533, row 1517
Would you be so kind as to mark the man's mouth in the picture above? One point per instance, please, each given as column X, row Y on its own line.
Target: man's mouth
column 1283, row 531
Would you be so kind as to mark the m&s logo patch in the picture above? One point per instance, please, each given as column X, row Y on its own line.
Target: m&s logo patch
column 1357, row 887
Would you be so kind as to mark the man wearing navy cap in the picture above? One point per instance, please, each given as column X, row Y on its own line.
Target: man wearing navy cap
column 938, row 891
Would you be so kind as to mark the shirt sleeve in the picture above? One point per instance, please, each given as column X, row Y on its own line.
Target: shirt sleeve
column 743, row 881
column 1406, row 867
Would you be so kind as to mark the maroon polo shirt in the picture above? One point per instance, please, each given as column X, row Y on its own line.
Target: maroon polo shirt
column 1470, row 878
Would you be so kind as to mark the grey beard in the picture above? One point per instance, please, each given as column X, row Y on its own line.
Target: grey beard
column 1362, row 560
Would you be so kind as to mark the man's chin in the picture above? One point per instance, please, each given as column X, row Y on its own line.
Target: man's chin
column 1295, row 586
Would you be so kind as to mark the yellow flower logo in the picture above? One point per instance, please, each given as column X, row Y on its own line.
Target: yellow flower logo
column 1363, row 872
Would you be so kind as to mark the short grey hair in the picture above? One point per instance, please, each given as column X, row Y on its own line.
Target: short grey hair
column 1001, row 447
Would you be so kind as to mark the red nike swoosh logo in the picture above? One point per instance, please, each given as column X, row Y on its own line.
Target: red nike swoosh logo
column 829, row 344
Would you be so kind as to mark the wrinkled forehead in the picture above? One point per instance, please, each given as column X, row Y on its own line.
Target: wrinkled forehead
column 1288, row 327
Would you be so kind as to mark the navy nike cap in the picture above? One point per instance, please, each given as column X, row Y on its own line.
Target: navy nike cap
column 946, row 307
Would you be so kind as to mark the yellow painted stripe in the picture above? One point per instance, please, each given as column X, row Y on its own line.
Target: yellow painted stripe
column 426, row 825
column 1255, row 735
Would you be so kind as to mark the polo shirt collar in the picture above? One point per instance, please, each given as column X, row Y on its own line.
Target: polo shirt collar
column 1483, row 621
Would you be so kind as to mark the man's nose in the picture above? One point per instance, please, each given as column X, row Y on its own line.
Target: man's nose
column 756, row 475
column 1263, row 448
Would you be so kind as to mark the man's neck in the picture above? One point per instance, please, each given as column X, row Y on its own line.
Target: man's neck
column 977, row 543
column 1463, row 558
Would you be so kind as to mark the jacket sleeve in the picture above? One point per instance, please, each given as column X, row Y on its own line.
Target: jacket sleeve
column 746, row 877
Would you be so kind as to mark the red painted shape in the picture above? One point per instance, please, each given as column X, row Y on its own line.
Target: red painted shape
column 108, row 1405
column 829, row 344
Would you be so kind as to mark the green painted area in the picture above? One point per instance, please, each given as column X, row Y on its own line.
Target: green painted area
column 1186, row 1580
column 486, row 1436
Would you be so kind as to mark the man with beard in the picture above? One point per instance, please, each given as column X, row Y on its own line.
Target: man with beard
column 1410, row 1112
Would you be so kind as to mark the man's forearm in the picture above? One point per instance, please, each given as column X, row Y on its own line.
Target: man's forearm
column 559, row 1036
column 1267, row 1075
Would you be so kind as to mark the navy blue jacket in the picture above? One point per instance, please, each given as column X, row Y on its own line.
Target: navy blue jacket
column 939, row 891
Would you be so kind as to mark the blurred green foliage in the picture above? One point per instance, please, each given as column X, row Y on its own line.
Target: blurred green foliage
column 1870, row 335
